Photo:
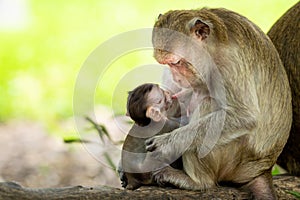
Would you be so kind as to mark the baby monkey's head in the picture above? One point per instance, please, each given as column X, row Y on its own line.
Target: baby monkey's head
column 148, row 101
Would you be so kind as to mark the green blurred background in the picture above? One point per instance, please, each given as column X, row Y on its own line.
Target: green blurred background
column 45, row 42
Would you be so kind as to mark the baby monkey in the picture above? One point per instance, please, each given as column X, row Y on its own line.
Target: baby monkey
column 154, row 112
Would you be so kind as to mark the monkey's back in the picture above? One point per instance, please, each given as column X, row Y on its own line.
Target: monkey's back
column 263, row 86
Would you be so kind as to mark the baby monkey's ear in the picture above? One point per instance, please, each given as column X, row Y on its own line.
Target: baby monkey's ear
column 154, row 113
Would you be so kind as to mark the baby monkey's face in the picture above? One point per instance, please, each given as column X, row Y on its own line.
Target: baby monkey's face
column 160, row 98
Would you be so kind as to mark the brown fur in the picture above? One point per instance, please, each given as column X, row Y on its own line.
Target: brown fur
column 258, row 111
column 286, row 37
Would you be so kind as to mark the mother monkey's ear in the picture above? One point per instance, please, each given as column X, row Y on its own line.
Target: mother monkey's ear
column 199, row 29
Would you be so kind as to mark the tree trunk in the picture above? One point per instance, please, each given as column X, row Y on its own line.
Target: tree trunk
column 285, row 36
column 287, row 187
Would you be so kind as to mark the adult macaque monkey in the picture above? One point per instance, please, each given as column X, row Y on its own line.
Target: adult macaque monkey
column 285, row 35
column 231, row 63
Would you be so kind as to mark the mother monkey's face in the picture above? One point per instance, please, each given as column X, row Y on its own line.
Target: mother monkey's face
column 178, row 43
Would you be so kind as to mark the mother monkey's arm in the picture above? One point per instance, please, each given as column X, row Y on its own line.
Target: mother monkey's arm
column 220, row 126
